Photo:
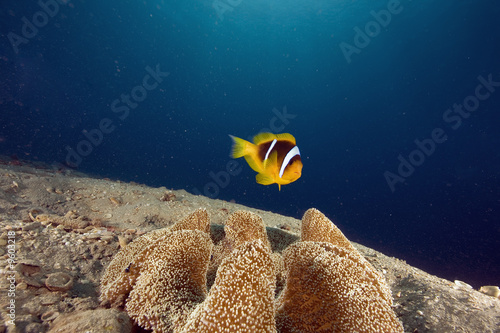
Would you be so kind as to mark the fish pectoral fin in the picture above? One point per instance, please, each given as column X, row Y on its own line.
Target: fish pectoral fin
column 264, row 179
column 253, row 163
column 271, row 162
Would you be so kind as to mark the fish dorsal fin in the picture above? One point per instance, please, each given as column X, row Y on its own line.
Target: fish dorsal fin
column 267, row 137
column 286, row 137
column 263, row 138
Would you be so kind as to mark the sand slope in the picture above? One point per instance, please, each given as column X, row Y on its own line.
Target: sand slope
column 77, row 224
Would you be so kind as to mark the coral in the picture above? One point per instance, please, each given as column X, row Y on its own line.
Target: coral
column 327, row 285
column 122, row 272
column 124, row 269
column 316, row 227
column 197, row 220
column 331, row 286
column 240, row 227
column 332, row 289
column 242, row 297
column 172, row 281
column 279, row 268
column 243, row 226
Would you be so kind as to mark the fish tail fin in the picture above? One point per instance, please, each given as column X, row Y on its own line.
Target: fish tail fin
column 241, row 147
column 264, row 179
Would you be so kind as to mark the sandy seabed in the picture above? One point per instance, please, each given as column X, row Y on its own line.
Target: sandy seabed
column 60, row 230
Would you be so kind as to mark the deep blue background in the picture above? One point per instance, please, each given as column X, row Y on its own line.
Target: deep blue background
column 227, row 74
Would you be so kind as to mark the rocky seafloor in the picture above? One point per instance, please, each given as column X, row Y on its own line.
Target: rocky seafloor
column 60, row 229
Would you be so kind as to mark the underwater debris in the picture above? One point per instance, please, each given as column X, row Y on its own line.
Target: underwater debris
column 33, row 213
column 49, row 315
column 116, row 201
column 490, row 290
column 70, row 220
column 462, row 284
column 30, row 273
column 59, row 281
column 168, row 196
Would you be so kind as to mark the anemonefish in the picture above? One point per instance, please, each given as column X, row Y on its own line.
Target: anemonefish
column 275, row 157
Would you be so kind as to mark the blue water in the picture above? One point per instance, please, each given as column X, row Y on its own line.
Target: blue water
column 356, row 82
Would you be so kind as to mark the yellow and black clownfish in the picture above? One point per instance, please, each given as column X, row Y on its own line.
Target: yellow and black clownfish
column 275, row 157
